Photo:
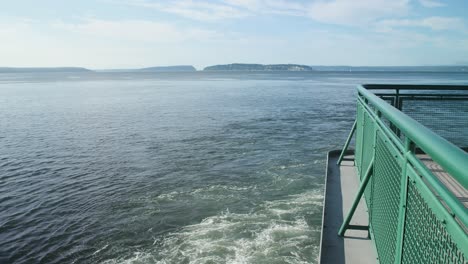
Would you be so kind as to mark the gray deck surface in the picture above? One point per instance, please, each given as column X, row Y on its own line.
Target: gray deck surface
column 341, row 187
column 446, row 179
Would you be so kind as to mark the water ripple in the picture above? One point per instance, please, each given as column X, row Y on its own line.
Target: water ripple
column 175, row 169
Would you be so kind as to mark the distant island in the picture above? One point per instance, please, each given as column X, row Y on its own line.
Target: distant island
column 258, row 67
column 41, row 69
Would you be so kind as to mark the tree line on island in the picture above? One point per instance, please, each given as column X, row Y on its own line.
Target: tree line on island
column 258, row 67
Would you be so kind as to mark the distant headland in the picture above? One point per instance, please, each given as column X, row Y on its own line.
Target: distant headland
column 258, row 67
column 178, row 68
column 41, row 69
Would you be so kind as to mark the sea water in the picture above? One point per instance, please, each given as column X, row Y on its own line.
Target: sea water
column 172, row 167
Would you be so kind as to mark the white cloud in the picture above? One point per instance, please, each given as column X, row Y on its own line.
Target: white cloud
column 356, row 12
column 224, row 9
column 342, row 12
column 269, row 6
column 108, row 44
column 99, row 43
column 434, row 23
column 136, row 30
column 198, row 10
column 431, row 3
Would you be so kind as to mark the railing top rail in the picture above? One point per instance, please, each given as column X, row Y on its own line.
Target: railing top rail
column 416, row 87
column 451, row 158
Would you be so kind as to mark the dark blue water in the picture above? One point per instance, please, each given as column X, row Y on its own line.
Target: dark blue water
column 171, row 168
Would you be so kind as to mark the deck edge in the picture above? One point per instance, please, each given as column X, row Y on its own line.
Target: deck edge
column 329, row 154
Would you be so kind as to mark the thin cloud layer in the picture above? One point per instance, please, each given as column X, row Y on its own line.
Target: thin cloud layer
column 197, row 10
column 351, row 13
column 138, row 33
column 343, row 12
column 431, row 3
column 434, row 23
column 361, row 12
column 137, row 30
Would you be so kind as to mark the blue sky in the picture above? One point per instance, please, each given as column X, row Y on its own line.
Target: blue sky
column 138, row 33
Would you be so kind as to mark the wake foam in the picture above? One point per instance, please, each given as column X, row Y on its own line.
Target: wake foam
column 275, row 232
column 213, row 192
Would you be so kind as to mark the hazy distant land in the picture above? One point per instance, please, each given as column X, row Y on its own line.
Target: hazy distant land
column 258, row 67
column 181, row 68
column 245, row 67
column 448, row 68
column 177, row 68
column 40, row 69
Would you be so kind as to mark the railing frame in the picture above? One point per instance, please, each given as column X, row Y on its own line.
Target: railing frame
column 451, row 158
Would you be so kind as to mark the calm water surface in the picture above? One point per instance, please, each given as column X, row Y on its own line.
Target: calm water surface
column 171, row 168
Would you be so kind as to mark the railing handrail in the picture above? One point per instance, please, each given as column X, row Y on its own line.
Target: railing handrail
column 415, row 87
column 451, row 158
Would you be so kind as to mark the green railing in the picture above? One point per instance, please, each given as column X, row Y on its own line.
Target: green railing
column 413, row 216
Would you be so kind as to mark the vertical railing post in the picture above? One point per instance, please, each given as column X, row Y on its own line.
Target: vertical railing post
column 363, row 124
column 397, row 98
column 398, row 106
column 347, row 143
column 409, row 150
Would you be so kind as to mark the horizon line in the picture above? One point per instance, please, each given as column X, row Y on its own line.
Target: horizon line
column 201, row 68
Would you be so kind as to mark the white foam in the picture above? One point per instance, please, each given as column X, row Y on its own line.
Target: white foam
column 101, row 249
column 299, row 165
column 138, row 257
column 276, row 231
column 168, row 196
column 212, row 192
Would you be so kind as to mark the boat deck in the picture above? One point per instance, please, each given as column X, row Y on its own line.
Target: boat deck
column 341, row 187
column 453, row 185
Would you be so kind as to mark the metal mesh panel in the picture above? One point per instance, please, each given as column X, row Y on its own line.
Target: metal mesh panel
column 368, row 143
column 367, row 151
column 384, row 212
column 448, row 118
column 425, row 237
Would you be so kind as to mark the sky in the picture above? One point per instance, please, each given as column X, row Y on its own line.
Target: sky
column 104, row 34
